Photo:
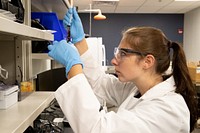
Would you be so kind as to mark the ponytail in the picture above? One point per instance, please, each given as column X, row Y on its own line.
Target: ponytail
column 183, row 81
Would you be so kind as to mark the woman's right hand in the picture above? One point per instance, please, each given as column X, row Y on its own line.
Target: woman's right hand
column 73, row 20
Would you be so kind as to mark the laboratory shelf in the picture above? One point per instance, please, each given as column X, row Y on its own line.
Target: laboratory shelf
column 19, row 116
column 14, row 29
column 41, row 56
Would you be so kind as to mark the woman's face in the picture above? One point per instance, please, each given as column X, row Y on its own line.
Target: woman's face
column 128, row 63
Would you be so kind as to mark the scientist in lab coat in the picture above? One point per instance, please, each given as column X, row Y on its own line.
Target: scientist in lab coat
column 147, row 100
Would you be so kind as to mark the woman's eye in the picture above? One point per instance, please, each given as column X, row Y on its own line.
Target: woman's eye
column 122, row 53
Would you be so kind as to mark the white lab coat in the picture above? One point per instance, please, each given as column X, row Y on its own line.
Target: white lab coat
column 159, row 110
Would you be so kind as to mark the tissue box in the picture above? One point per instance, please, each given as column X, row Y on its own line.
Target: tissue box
column 8, row 96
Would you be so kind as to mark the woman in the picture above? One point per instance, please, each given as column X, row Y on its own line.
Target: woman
column 147, row 100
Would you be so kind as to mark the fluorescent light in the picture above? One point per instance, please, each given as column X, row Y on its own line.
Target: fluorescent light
column 187, row 0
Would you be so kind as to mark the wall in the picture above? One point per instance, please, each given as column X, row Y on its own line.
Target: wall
column 7, row 59
column 191, row 35
column 110, row 29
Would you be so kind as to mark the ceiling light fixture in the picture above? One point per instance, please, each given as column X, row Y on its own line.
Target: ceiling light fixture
column 187, row 0
column 99, row 16
column 105, row 2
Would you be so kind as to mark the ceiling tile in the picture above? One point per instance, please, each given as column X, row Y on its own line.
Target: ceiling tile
column 124, row 6
column 148, row 9
column 157, row 2
column 126, row 9
column 131, row 2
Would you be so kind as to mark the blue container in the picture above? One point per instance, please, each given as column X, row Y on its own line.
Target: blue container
column 63, row 29
column 50, row 22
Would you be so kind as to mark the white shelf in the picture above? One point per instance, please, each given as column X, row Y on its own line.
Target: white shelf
column 41, row 56
column 43, row 6
column 18, row 117
column 11, row 28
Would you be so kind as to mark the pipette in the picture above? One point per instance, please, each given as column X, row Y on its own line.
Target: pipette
column 70, row 5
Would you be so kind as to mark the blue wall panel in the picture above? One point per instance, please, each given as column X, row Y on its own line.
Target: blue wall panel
column 111, row 28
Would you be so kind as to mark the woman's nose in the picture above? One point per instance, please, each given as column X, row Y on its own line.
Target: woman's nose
column 114, row 61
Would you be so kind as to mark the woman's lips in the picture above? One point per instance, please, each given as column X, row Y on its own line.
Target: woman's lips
column 117, row 72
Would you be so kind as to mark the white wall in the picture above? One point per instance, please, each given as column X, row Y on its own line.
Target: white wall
column 192, row 35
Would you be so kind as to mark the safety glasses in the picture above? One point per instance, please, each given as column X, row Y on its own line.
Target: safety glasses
column 121, row 53
column 3, row 73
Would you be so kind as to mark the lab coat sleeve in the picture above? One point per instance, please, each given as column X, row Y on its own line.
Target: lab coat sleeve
column 105, row 86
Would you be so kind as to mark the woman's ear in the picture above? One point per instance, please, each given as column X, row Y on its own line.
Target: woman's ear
column 149, row 61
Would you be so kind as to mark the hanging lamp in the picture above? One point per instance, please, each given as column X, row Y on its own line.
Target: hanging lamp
column 99, row 16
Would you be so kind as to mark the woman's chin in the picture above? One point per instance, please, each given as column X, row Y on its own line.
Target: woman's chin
column 121, row 79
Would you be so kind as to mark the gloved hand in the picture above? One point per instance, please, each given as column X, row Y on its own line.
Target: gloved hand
column 65, row 53
column 76, row 27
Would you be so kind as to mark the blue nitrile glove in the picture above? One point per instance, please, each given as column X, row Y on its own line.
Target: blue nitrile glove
column 65, row 53
column 76, row 27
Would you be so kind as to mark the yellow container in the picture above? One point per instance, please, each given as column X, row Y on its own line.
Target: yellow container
column 27, row 86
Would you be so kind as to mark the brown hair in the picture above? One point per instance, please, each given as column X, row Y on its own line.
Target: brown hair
column 150, row 40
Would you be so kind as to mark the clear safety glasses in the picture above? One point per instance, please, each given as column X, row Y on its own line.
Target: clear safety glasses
column 3, row 73
column 121, row 53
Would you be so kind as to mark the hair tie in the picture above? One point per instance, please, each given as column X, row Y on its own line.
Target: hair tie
column 169, row 44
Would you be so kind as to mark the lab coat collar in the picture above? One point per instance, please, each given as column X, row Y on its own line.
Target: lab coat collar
column 160, row 89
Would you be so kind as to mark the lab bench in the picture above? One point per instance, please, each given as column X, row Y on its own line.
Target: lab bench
column 21, row 115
